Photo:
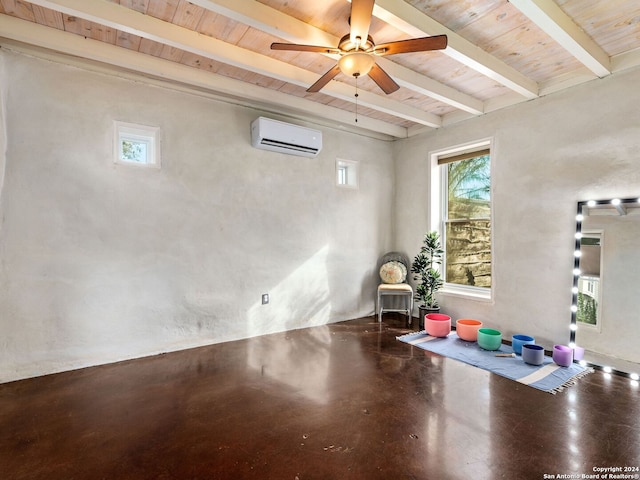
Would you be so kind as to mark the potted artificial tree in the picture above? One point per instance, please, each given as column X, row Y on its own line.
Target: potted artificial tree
column 427, row 275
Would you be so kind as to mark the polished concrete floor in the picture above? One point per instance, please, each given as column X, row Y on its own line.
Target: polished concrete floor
column 343, row 401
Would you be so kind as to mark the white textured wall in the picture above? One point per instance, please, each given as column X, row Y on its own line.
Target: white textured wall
column 102, row 262
column 548, row 154
column 3, row 130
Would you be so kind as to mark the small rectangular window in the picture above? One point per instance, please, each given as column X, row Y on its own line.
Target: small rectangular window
column 343, row 175
column 137, row 144
column 346, row 173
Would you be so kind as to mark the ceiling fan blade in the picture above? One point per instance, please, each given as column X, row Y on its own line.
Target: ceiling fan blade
column 324, row 79
column 382, row 78
column 361, row 12
column 423, row 44
column 303, row 48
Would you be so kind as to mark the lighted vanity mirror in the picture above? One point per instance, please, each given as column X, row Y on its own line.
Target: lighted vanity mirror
column 605, row 318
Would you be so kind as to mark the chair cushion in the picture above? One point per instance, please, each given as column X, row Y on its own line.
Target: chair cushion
column 395, row 288
column 393, row 272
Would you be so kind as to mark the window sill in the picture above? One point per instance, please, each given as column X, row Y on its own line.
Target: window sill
column 476, row 294
column 586, row 327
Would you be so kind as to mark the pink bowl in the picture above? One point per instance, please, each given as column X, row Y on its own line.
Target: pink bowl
column 437, row 324
column 467, row 329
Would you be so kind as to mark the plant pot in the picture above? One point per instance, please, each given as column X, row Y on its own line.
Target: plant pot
column 423, row 311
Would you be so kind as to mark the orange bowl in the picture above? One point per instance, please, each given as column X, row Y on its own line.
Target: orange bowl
column 467, row 329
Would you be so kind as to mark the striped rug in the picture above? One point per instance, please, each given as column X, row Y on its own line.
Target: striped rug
column 547, row 377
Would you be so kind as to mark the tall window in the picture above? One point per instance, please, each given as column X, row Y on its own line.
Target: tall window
column 589, row 280
column 465, row 217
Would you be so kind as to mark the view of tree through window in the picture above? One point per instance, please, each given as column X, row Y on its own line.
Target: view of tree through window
column 136, row 144
column 589, row 281
column 587, row 309
column 468, row 222
column 134, row 151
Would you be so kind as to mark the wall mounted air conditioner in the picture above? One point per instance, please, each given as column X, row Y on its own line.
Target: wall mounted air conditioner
column 268, row 134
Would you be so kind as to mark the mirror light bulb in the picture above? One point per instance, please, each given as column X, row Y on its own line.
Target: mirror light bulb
column 574, row 308
column 579, row 217
column 578, row 235
column 576, row 271
column 577, row 253
column 615, row 201
column 574, row 290
column 634, row 376
column 591, row 203
column 607, row 370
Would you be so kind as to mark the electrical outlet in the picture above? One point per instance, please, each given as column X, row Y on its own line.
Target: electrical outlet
column 265, row 298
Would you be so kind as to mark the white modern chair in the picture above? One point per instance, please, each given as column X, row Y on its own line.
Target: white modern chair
column 394, row 268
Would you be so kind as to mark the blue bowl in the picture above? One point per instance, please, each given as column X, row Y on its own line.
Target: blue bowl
column 517, row 341
column 533, row 354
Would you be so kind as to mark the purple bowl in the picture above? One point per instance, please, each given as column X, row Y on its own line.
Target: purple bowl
column 562, row 355
column 578, row 353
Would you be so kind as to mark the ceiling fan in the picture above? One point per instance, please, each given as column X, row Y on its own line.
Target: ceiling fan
column 358, row 51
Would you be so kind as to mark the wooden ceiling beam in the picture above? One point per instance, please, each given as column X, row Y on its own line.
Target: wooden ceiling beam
column 409, row 19
column 624, row 61
column 278, row 24
column 269, row 20
column 77, row 47
column 124, row 19
column 547, row 15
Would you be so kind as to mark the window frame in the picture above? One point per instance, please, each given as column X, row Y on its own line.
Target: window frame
column 597, row 327
column 349, row 171
column 137, row 133
column 437, row 214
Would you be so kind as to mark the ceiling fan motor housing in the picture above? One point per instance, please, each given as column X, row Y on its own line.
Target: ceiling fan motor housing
column 346, row 45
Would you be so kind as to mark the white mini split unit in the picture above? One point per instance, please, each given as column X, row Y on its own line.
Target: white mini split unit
column 276, row 136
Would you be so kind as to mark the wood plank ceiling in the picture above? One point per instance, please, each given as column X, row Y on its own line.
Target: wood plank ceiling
column 500, row 52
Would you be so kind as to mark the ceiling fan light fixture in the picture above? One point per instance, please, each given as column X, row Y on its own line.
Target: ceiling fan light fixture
column 358, row 52
column 356, row 64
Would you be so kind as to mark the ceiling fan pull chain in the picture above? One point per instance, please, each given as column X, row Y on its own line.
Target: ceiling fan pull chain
column 356, row 75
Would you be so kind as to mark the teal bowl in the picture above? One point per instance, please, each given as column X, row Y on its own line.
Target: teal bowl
column 489, row 339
